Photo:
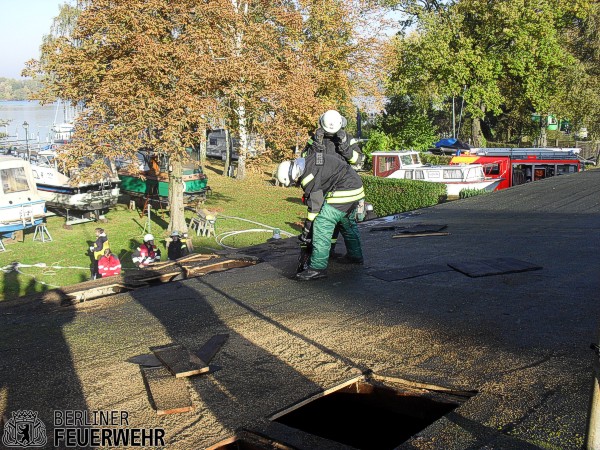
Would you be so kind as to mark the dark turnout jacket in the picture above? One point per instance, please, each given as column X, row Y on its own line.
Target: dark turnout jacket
column 331, row 180
column 350, row 152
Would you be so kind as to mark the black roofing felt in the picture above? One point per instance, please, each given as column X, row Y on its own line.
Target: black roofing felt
column 520, row 340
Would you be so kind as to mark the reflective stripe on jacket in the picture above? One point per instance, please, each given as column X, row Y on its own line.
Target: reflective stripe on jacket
column 334, row 182
column 109, row 266
column 100, row 246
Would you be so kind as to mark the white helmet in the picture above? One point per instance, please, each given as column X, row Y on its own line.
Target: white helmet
column 331, row 121
column 148, row 238
column 288, row 172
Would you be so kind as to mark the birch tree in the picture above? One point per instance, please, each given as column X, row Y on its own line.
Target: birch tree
column 264, row 83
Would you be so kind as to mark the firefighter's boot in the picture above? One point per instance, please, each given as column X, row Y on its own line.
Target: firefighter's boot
column 311, row 274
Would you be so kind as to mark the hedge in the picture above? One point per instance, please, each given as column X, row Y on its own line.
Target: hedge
column 466, row 193
column 392, row 195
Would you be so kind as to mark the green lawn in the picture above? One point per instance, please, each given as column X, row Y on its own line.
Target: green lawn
column 254, row 199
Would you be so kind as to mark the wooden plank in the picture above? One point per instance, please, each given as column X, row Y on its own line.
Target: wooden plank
column 405, row 235
column 488, row 267
column 167, row 394
column 179, row 360
column 223, row 265
column 148, row 360
column 194, row 257
column 208, row 351
column 97, row 292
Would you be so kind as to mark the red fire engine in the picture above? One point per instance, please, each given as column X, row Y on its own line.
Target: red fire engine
column 522, row 165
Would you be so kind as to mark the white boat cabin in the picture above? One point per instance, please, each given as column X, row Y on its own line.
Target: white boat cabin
column 21, row 206
column 408, row 165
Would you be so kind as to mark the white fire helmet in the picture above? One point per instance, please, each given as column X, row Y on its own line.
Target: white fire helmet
column 148, row 238
column 288, row 172
column 331, row 121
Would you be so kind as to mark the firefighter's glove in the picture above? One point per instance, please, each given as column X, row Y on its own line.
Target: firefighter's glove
column 342, row 140
column 341, row 136
column 306, row 235
column 318, row 147
column 91, row 248
column 319, row 134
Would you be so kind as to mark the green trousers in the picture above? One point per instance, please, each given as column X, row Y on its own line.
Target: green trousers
column 322, row 232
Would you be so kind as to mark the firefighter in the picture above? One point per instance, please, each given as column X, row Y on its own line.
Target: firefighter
column 177, row 247
column 332, row 190
column 331, row 138
column 109, row 265
column 147, row 253
column 98, row 250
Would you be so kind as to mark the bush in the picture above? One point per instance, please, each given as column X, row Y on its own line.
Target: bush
column 378, row 142
column 466, row 193
column 435, row 160
column 392, row 195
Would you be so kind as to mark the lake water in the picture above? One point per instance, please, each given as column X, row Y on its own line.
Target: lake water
column 40, row 119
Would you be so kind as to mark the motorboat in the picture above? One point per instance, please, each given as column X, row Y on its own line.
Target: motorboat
column 407, row 165
column 59, row 191
column 21, row 206
column 62, row 133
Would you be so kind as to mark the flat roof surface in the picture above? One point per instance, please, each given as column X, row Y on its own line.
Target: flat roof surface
column 520, row 340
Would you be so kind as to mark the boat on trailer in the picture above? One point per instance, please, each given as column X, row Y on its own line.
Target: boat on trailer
column 79, row 201
column 21, row 206
column 95, row 196
column 407, row 165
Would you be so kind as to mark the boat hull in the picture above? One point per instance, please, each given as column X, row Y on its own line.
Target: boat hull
column 22, row 216
column 9, row 228
column 89, row 198
column 60, row 192
column 454, row 189
column 152, row 186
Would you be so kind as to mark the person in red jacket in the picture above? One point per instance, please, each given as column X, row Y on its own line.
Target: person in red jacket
column 109, row 265
column 147, row 253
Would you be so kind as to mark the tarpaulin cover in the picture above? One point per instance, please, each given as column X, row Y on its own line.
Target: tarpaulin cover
column 452, row 143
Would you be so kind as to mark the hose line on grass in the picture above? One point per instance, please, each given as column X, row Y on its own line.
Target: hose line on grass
column 266, row 229
column 15, row 267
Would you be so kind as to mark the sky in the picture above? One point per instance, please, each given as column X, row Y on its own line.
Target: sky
column 23, row 23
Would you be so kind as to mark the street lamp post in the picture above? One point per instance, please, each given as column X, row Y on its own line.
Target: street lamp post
column 26, row 127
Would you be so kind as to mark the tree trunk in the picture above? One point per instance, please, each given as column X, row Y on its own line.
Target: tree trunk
column 543, row 142
column 203, row 150
column 227, row 152
column 476, row 132
column 243, row 135
column 176, row 206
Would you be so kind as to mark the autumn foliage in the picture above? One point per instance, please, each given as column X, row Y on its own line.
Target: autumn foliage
column 156, row 74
